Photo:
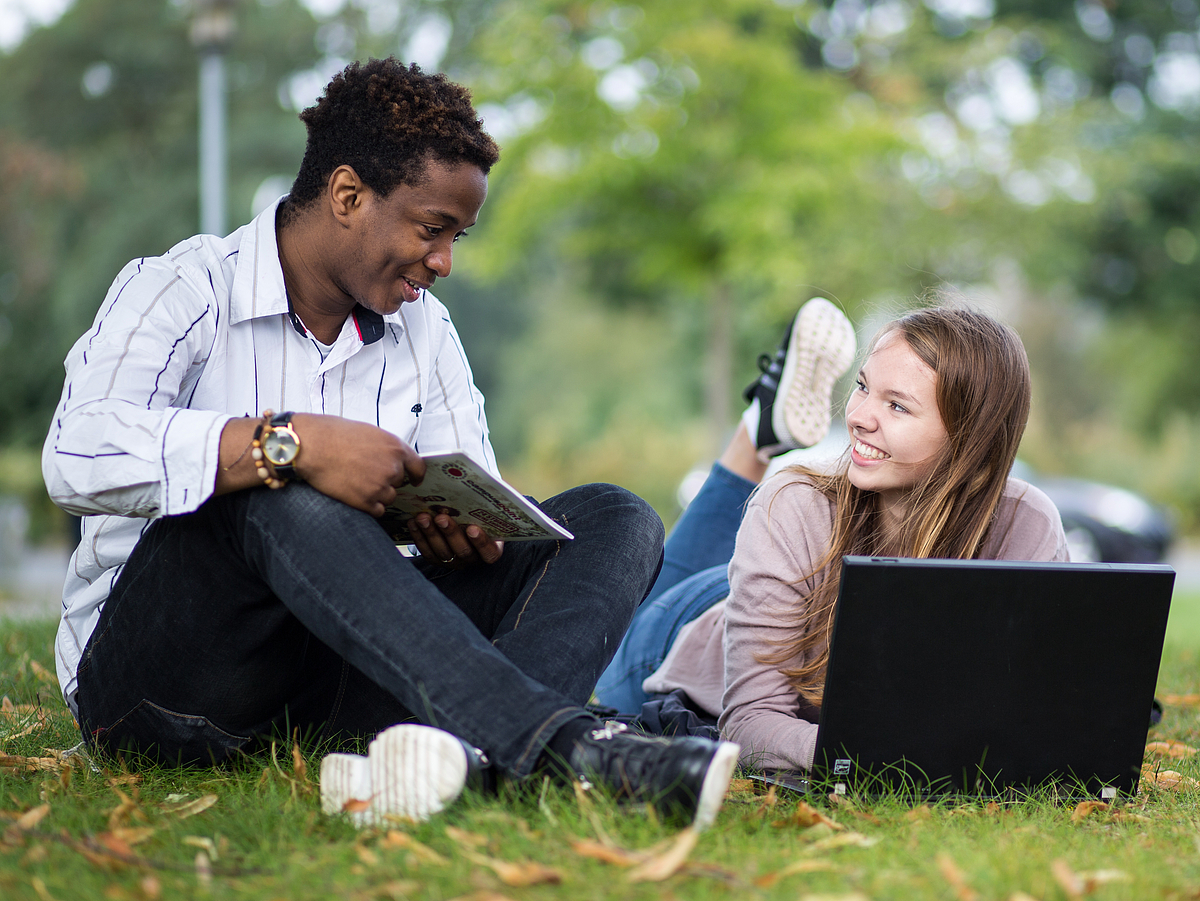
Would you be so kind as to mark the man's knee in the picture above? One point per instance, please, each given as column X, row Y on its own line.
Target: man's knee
column 601, row 505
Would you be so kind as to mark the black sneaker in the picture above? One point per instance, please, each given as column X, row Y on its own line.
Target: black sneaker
column 796, row 385
column 684, row 778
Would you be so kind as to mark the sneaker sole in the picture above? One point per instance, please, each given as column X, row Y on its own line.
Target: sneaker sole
column 415, row 771
column 410, row 771
column 716, row 783
column 821, row 348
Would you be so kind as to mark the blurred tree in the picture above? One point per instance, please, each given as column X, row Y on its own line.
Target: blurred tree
column 682, row 154
column 99, row 121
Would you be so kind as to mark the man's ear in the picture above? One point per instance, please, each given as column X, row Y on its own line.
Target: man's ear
column 346, row 193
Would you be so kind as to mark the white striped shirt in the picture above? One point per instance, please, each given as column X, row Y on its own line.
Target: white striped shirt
column 203, row 334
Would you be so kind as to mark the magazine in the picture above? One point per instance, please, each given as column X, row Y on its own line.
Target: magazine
column 458, row 486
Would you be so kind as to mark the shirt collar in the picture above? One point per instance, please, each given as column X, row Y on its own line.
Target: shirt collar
column 259, row 289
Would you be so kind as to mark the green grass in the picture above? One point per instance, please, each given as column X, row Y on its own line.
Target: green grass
column 106, row 836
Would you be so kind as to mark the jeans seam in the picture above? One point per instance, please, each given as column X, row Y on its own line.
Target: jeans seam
column 545, row 568
column 537, row 744
column 327, row 729
column 191, row 716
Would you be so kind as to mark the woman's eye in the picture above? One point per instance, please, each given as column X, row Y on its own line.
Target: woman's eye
column 899, row 409
column 860, row 385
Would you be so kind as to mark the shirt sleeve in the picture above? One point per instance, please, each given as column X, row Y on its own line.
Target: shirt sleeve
column 454, row 417
column 784, row 533
column 122, row 440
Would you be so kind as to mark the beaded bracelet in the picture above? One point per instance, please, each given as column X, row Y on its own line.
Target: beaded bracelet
column 263, row 466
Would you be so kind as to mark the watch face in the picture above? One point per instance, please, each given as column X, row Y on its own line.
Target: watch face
column 280, row 447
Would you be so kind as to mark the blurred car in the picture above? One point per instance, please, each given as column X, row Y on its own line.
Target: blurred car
column 1104, row 523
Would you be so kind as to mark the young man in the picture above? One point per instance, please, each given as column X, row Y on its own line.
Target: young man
column 232, row 583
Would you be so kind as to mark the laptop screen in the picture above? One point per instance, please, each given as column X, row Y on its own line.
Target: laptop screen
column 979, row 676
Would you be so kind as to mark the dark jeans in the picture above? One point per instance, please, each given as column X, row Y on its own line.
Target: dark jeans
column 265, row 611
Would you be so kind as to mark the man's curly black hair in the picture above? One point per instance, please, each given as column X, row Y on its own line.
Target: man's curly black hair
column 386, row 120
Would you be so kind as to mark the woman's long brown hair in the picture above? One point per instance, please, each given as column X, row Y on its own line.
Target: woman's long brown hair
column 983, row 392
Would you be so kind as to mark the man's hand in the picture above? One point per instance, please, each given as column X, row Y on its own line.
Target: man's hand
column 443, row 540
column 354, row 462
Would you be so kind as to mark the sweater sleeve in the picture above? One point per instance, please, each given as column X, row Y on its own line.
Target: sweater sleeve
column 1028, row 527
column 785, row 531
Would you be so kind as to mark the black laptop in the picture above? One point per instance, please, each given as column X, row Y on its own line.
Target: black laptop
column 990, row 678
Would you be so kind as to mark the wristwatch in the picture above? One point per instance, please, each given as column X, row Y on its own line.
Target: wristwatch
column 281, row 446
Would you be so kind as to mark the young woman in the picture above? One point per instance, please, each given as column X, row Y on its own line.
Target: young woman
column 934, row 423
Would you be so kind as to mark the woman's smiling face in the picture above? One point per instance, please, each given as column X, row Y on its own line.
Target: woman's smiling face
column 896, row 430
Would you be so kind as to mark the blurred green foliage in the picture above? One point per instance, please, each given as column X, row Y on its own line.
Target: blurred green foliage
column 675, row 179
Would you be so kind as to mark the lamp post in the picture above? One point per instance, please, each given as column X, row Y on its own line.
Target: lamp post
column 212, row 31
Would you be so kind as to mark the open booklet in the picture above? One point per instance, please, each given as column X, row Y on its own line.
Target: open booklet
column 458, row 486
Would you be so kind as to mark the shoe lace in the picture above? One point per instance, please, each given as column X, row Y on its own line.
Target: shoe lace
column 611, row 729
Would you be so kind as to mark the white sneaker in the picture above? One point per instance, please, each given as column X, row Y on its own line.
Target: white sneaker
column 791, row 399
column 410, row 771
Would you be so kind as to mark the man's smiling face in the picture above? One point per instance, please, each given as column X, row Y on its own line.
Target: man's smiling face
column 402, row 243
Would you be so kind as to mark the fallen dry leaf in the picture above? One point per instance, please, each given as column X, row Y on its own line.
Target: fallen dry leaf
column 30, row 818
column 1166, row 779
column 740, row 786
column 800, row 866
column 770, row 799
column 40, row 888
column 122, row 811
column 204, row 842
column 482, row 895
column 1171, row 748
column 463, row 837
column 1067, row 879
column 956, row 878
column 843, row 840
column 44, row 674
column 852, row 896
column 191, row 808
column 587, row 847
column 115, row 844
column 806, row 816
column 516, row 874
column 1086, row 808
column 13, row 764
column 134, row 835
column 299, row 767
column 665, row 865
column 367, row 856
column 397, row 839
column 920, row 812
column 356, row 805
column 151, row 887
column 1076, row 885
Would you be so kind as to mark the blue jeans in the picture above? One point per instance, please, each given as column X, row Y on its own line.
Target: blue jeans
column 266, row 611
column 694, row 577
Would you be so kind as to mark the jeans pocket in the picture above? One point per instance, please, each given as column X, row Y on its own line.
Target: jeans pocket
column 169, row 738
